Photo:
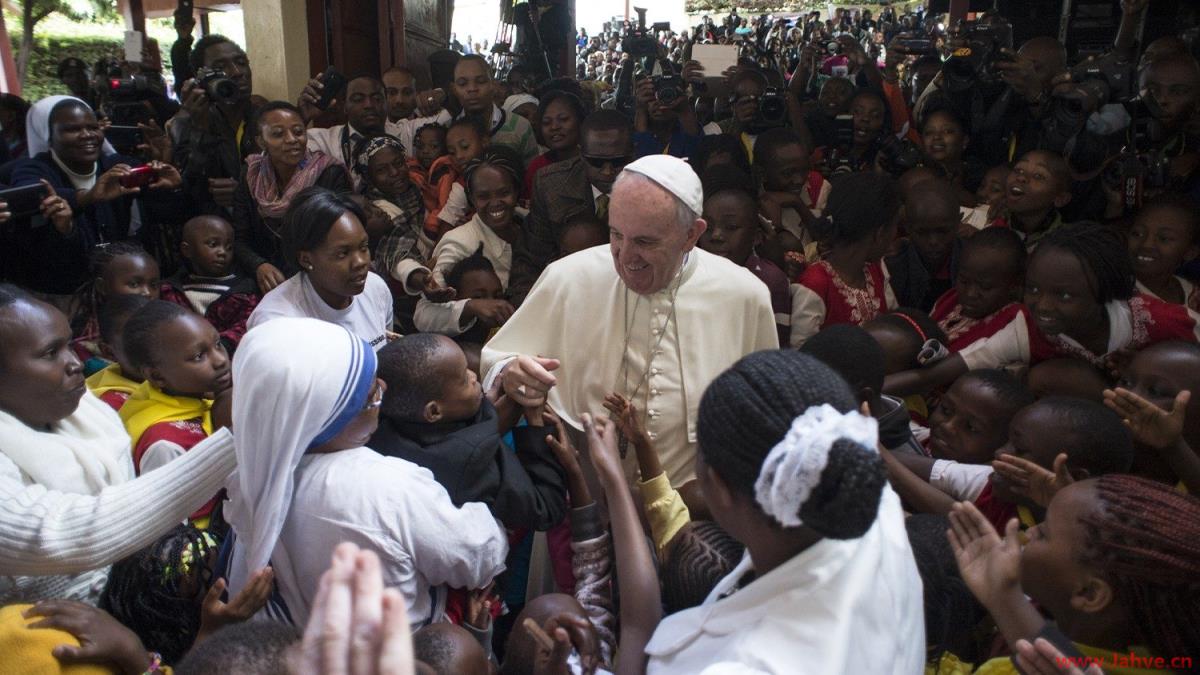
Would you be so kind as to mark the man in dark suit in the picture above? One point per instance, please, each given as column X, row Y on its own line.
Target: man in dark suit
column 570, row 188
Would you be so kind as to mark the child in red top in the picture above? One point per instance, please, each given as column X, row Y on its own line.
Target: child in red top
column 1079, row 303
column 848, row 285
column 985, row 295
column 465, row 141
column 210, row 285
column 1165, row 235
column 186, row 367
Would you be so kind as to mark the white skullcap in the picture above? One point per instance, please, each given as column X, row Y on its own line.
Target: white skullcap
column 675, row 176
column 517, row 100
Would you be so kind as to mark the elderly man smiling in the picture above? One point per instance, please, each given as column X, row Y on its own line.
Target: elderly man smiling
column 652, row 318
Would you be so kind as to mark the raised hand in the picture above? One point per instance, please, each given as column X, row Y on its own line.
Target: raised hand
column 1032, row 480
column 102, row 639
column 602, row 445
column 557, row 638
column 479, row 607
column 625, row 415
column 215, row 614
column 1150, row 424
column 355, row 626
column 988, row 564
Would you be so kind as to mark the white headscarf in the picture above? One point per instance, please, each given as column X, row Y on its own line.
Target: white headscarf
column 297, row 382
column 37, row 125
column 516, row 101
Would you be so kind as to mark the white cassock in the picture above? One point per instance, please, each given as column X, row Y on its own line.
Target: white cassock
column 609, row 338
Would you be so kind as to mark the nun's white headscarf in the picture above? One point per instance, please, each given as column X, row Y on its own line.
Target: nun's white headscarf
column 297, row 382
column 37, row 125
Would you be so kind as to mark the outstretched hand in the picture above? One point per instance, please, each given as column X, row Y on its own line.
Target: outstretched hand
column 557, row 638
column 602, row 444
column 1032, row 480
column 1043, row 658
column 1150, row 424
column 624, row 414
column 988, row 564
column 216, row 614
column 356, row 626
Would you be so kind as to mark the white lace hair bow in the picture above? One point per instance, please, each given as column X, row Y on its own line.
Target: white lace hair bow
column 793, row 467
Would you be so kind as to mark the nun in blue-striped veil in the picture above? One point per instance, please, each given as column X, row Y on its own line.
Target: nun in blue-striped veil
column 305, row 404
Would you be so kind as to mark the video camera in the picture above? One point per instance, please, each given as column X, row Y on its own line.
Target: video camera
column 126, row 99
column 639, row 42
column 975, row 61
column 916, row 44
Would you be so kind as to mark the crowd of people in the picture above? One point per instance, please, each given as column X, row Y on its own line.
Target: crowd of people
column 900, row 321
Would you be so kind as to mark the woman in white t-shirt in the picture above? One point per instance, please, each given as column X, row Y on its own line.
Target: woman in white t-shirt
column 324, row 237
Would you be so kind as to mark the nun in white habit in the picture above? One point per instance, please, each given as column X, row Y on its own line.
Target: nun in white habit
column 306, row 401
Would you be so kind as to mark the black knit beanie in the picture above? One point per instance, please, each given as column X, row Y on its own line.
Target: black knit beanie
column 747, row 411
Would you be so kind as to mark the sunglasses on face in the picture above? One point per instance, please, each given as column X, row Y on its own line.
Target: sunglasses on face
column 601, row 162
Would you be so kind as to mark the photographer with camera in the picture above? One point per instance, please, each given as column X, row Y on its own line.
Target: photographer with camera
column 664, row 121
column 213, row 132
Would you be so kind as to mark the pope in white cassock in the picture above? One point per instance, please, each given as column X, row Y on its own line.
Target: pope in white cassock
column 650, row 317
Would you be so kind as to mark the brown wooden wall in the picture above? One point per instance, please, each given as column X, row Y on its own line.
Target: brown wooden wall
column 369, row 36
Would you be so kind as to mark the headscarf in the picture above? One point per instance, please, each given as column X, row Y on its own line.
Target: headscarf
column 297, row 382
column 264, row 188
column 367, row 150
column 516, row 101
column 37, row 125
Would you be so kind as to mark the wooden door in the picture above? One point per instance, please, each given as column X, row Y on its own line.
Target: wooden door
column 413, row 30
column 344, row 34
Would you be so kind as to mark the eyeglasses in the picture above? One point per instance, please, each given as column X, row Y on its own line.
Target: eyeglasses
column 614, row 162
column 376, row 397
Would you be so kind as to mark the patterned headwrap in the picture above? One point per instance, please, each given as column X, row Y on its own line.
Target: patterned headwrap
column 367, row 149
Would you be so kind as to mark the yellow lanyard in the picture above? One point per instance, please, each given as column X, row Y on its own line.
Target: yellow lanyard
column 241, row 131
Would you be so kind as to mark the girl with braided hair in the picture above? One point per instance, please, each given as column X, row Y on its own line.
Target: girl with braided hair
column 117, row 268
column 1115, row 564
column 493, row 183
column 828, row 584
column 1080, row 302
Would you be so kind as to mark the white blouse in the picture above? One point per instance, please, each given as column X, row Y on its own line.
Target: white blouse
column 839, row 607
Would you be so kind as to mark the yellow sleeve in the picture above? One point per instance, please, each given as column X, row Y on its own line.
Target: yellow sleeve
column 664, row 509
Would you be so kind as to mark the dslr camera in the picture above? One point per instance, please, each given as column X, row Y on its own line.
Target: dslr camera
column 668, row 88
column 772, row 111
column 1099, row 81
column 975, row 61
column 217, row 85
